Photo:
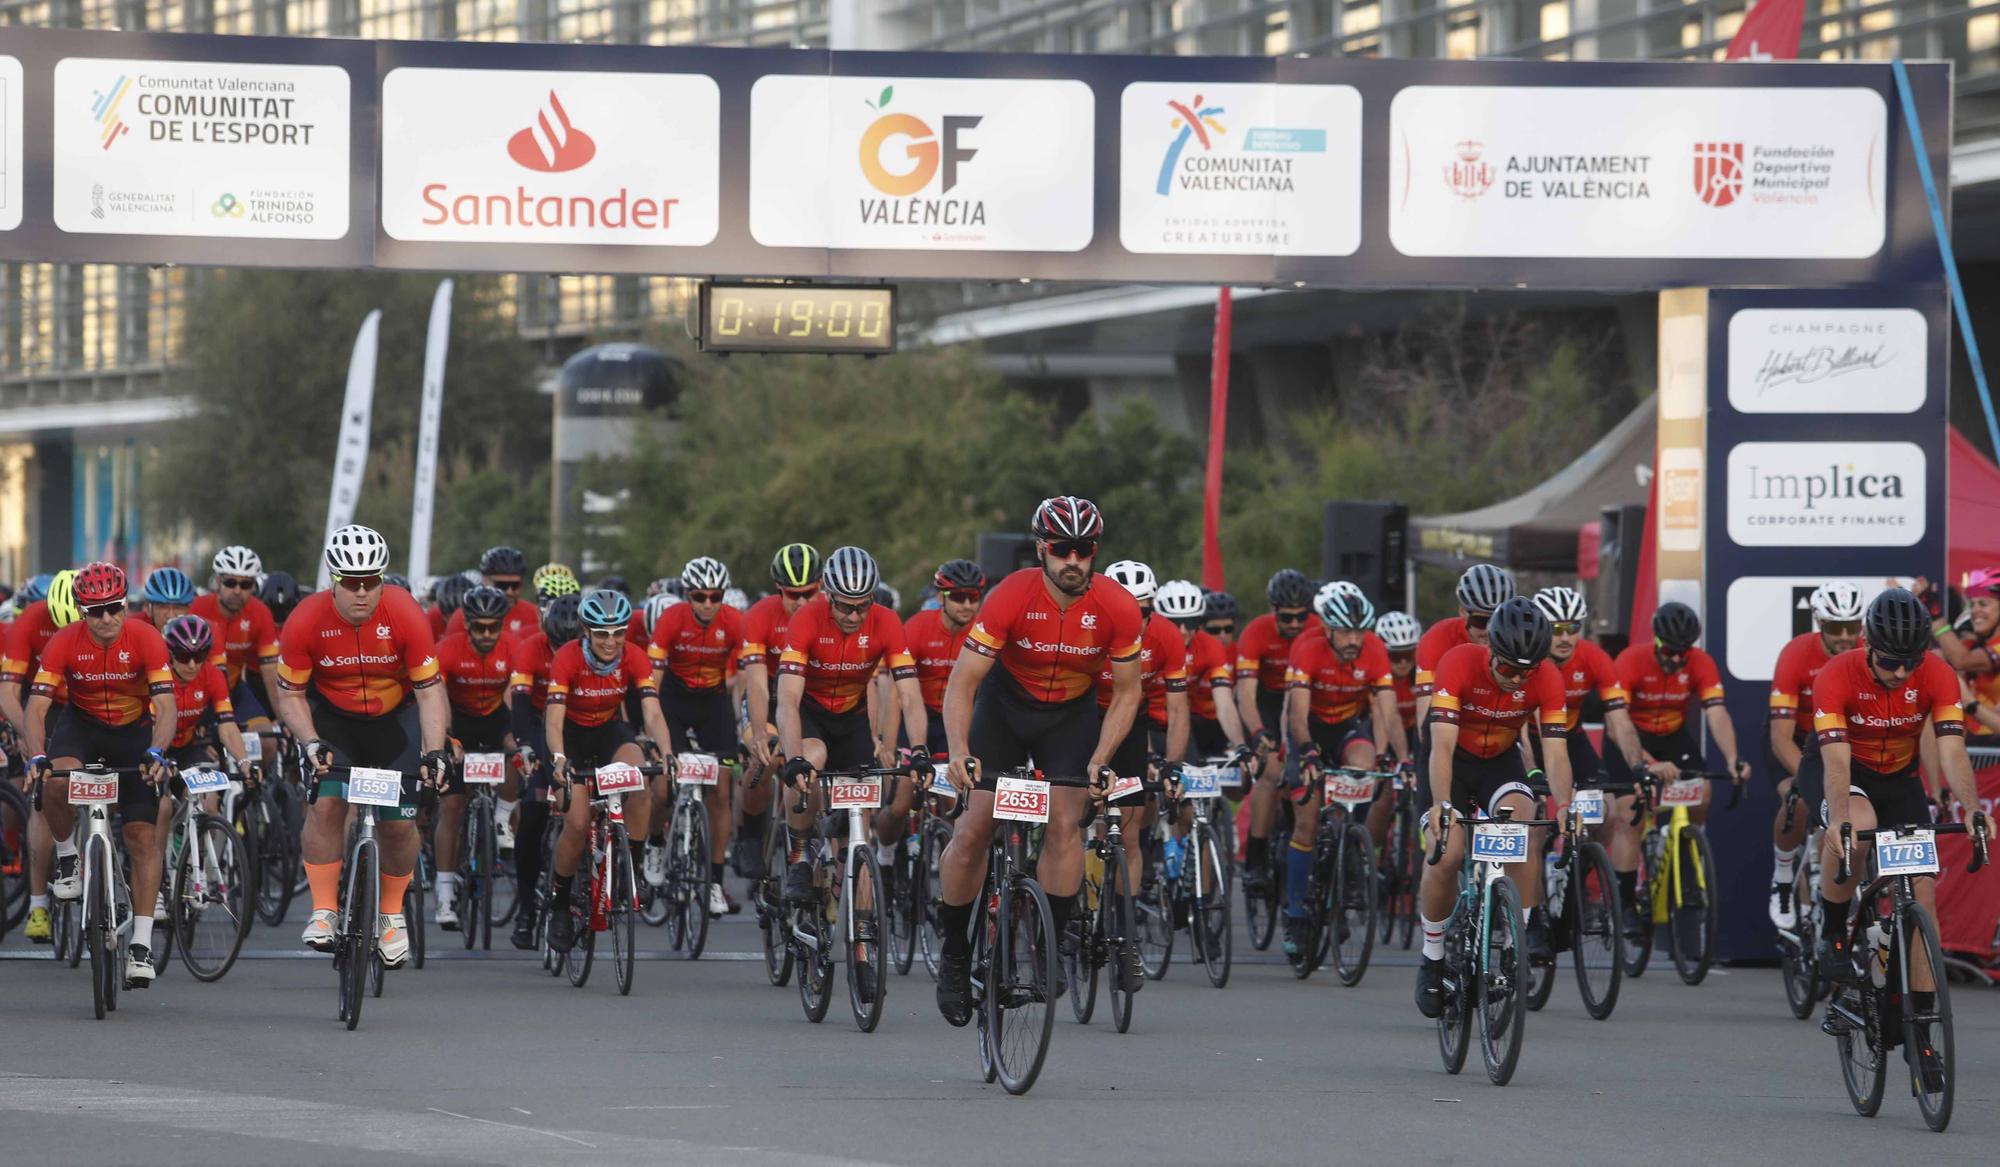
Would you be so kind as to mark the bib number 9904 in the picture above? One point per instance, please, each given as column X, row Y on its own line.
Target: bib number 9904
column 1589, row 806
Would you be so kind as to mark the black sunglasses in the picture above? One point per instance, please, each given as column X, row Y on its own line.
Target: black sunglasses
column 964, row 596
column 1897, row 664
column 1073, row 549
column 506, row 585
column 104, row 611
column 704, row 597
column 237, row 584
column 1223, row 629
column 1298, row 617
column 855, row 608
column 1478, row 619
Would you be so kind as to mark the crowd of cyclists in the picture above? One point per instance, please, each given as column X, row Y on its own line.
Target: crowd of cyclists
column 1080, row 671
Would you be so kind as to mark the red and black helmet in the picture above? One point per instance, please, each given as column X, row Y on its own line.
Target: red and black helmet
column 960, row 575
column 99, row 583
column 1068, row 517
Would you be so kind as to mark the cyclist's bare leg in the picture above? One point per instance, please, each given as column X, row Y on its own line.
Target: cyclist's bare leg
column 637, row 810
column 721, row 824
column 141, row 845
column 1440, row 882
column 1264, row 794
column 1861, row 813
column 1624, row 835
column 893, row 822
column 1136, row 821
column 962, row 867
column 1060, row 869
column 59, row 816
column 41, row 853
column 451, row 817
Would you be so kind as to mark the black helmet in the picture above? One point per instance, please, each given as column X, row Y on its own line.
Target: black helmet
column 451, row 592
column 397, row 579
column 1519, row 634
column 1220, row 606
column 561, row 621
column 1289, row 589
column 280, row 593
column 1484, row 587
column 1676, row 627
column 484, row 603
column 503, row 561
column 617, row 584
column 796, row 566
column 960, row 575
column 1898, row 624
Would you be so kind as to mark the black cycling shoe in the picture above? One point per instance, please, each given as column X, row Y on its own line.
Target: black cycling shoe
column 1930, row 1069
column 524, row 928
column 799, row 883
column 954, row 989
column 1836, row 963
column 562, row 930
column 864, row 977
column 746, row 855
column 1256, row 882
column 1430, row 988
column 1131, row 970
column 1541, row 950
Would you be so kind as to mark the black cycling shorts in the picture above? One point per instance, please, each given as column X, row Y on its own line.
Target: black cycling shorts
column 849, row 739
column 1899, row 799
column 389, row 742
column 1332, row 736
column 1011, row 729
column 1208, row 739
column 935, row 739
column 699, row 720
column 1810, row 781
column 1271, row 709
column 1477, row 782
column 1144, row 739
column 247, row 702
column 591, row 746
column 81, row 736
column 480, row 733
column 1679, row 747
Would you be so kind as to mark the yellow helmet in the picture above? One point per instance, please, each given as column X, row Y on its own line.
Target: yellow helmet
column 554, row 579
column 62, row 599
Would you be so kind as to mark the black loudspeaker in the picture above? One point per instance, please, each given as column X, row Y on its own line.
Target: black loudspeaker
column 1367, row 542
column 1624, row 528
column 1000, row 555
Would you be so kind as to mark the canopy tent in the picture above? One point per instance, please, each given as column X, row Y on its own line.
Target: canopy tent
column 1537, row 530
column 1974, row 510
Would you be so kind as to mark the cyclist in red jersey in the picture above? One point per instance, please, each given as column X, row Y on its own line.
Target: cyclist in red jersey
column 795, row 572
column 1662, row 681
column 1219, row 618
column 691, row 647
column 246, row 631
column 503, row 568
column 1400, row 632
column 1161, row 730
column 1837, row 612
column 588, row 681
column 1872, row 707
column 1263, row 653
column 358, row 684
column 477, row 666
column 935, row 637
column 1050, row 628
column 1482, row 588
column 27, row 636
column 1483, row 698
column 204, row 717
column 121, row 712
column 834, row 647
column 1214, row 730
column 165, row 598
column 527, row 703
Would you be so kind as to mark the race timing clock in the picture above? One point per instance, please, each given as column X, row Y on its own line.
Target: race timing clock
column 798, row 318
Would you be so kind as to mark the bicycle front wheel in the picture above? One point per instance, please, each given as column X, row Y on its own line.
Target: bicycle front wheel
column 774, row 923
column 1260, row 908
column 624, row 930
column 1208, row 897
column 355, row 943
column 100, row 931
column 1927, row 1035
column 210, row 911
column 1352, row 908
column 1502, row 982
column 277, row 857
column 815, row 955
column 1691, row 919
column 1798, row 956
column 1082, row 959
column 1018, row 1004
column 688, row 872
column 1596, row 946
column 1863, row 1062
column 905, row 907
column 1117, row 937
column 935, row 837
column 867, row 959
column 471, row 880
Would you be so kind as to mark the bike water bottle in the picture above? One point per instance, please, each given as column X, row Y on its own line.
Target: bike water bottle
column 1173, row 849
column 1878, row 949
column 1555, row 878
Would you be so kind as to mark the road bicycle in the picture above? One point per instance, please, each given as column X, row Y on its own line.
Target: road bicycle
column 1402, row 862
column 1106, row 925
column 1894, row 936
column 1014, row 945
column 1798, row 946
column 1195, row 884
column 836, row 919
column 611, row 905
column 103, row 911
column 482, row 878
column 682, row 901
column 932, row 837
column 357, row 945
column 1342, row 884
column 206, row 884
column 1580, row 889
column 1683, row 893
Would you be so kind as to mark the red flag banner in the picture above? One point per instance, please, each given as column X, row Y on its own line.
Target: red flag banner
column 1769, row 32
column 1218, row 425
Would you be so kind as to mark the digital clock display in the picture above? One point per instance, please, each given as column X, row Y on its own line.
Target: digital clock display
column 798, row 318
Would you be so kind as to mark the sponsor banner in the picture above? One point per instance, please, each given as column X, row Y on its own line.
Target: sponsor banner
column 210, row 148
column 535, row 156
column 1642, row 172
column 10, row 143
column 922, row 163
column 1827, row 360
column 1827, row 494
column 1221, row 169
column 1766, row 611
column 1680, row 498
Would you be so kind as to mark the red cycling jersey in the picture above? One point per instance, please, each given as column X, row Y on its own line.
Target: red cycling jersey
column 1491, row 719
column 531, row 670
column 363, row 670
column 520, row 620
column 1262, row 652
column 1589, row 670
column 1659, row 699
column 764, row 627
column 591, row 698
column 1792, row 682
column 1339, row 690
column 250, row 636
column 1208, row 668
column 202, row 699
column 439, row 623
column 27, row 636
column 1881, row 723
column 696, row 654
column 1053, row 653
column 113, row 683
column 636, row 631
column 837, row 667
column 1406, row 699
column 1437, row 640
column 1162, row 669
column 476, row 684
column 935, row 650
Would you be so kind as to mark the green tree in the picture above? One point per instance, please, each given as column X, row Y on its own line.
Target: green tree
column 266, row 366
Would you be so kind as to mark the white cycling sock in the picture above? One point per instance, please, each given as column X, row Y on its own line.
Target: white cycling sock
column 40, row 901
column 447, row 884
column 65, row 847
column 506, row 810
column 885, row 854
column 1785, row 864
column 1434, row 937
column 142, row 931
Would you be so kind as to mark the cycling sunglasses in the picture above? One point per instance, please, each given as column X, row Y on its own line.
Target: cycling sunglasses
column 1073, row 549
column 1193, row 625
column 1568, row 628
column 186, row 658
column 856, row 608
column 1509, row 670
column 505, row 585
column 358, row 583
column 1402, row 658
column 799, row 593
column 1841, row 627
column 1225, row 628
column 104, row 611
column 704, row 597
column 484, row 627
column 1478, row 619
column 1295, row 617
column 965, row 596
column 1667, row 654
column 1896, row 664
column 236, row 583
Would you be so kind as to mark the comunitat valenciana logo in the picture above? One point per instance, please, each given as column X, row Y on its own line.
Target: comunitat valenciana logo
column 1263, row 163
column 551, row 144
column 901, row 155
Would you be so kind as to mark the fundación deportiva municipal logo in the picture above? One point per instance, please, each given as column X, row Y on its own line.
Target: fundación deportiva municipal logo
column 104, row 110
column 1718, row 172
column 551, row 144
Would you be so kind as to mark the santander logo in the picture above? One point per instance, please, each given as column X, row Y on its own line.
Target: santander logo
column 552, row 145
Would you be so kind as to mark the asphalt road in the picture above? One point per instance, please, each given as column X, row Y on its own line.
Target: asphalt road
column 488, row 1060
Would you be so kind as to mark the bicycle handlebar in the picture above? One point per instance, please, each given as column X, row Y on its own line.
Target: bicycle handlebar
column 1848, row 837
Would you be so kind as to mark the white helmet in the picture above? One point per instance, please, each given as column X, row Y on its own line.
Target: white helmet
column 1136, row 577
column 1399, row 630
column 656, row 606
column 1342, row 604
column 704, row 574
column 1838, row 600
column 357, row 550
column 736, row 598
column 1179, row 599
column 851, row 574
column 238, row 560
column 1562, row 605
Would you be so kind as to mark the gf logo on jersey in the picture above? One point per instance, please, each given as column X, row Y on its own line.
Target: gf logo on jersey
column 861, row 641
column 124, row 657
column 1089, row 620
column 382, row 630
column 1908, row 694
column 1518, row 696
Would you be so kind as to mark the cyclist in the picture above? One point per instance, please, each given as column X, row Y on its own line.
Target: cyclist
column 527, row 703
column 1836, row 612
column 1219, row 609
column 692, row 645
column 588, row 680
column 1872, row 705
column 935, row 636
column 1481, row 590
column 203, row 715
column 1482, row 699
column 795, row 571
column 449, row 595
column 166, row 596
column 1050, row 628
column 1161, row 732
column 1661, row 681
column 27, row 636
column 246, row 630
column 281, row 594
column 502, row 569
column 1400, row 632
column 552, row 581
column 1341, row 702
column 477, row 666
column 1262, row 669
column 120, row 711
column 1213, row 725
column 358, row 684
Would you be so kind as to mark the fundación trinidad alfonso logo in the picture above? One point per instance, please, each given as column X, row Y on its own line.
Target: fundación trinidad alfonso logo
column 1467, row 176
column 551, row 144
column 104, row 108
column 1191, row 121
column 1718, row 172
column 927, row 151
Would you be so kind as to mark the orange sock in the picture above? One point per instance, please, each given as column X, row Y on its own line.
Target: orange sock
column 325, row 881
column 393, row 887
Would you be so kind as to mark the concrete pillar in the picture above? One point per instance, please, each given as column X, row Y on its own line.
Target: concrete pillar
column 51, row 529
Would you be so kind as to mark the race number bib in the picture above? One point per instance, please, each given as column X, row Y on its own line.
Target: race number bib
column 1589, row 806
column 375, row 787
column 1906, row 853
column 1686, row 792
column 485, row 769
column 1201, row 782
column 1349, row 788
column 86, row 789
column 697, row 769
column 253, row 746
column 204, row 781
column 619, row 778
column 855, row 794
column 1024, row 800
column 1125, row 788
column 941, row 780
column 1499, row 843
